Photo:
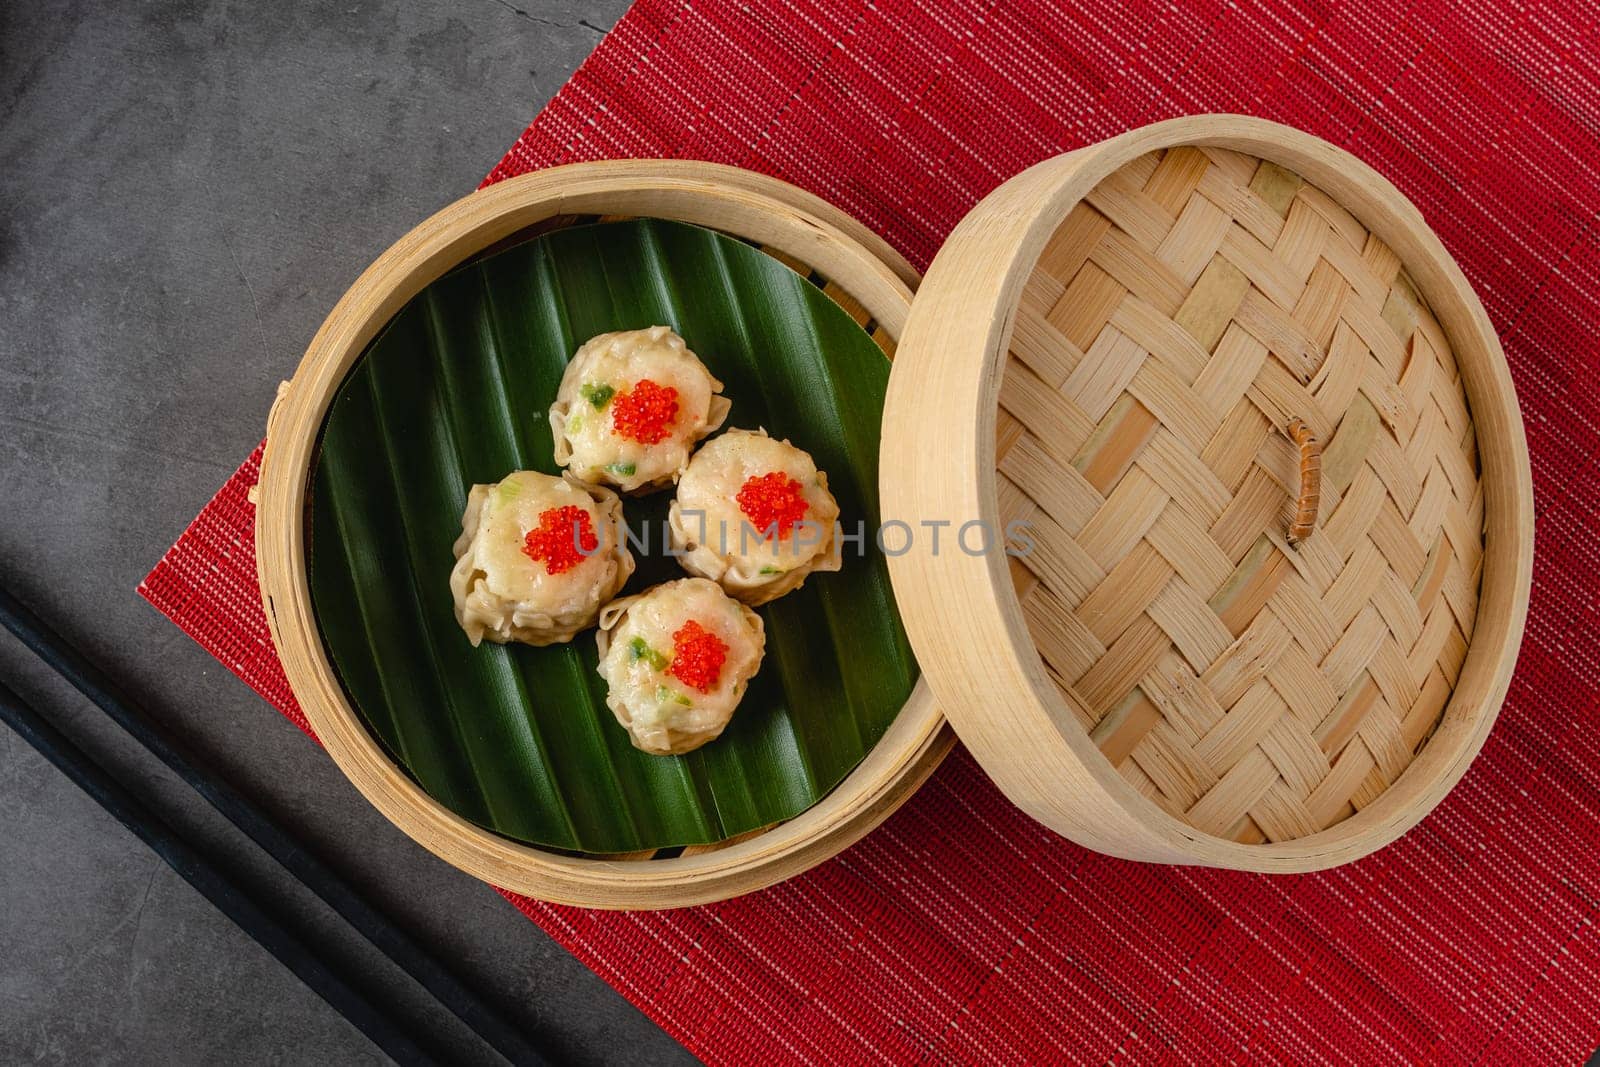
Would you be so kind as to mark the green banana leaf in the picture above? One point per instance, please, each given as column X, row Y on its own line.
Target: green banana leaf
column 455, row 391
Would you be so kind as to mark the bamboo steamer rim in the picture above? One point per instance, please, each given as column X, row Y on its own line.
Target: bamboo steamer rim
column 742, row 203
column 962, row 613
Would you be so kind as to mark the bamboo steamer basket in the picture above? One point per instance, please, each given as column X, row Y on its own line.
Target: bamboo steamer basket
column 860, row 272
column 1199, row 661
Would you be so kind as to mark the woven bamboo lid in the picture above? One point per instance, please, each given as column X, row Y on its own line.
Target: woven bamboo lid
column 1135, row 357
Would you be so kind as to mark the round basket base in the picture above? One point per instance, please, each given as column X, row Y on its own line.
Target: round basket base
column 862, row 274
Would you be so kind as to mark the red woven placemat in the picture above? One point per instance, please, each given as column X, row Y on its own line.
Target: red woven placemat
column 961, row 930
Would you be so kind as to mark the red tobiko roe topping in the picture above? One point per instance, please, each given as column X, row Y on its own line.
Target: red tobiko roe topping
column 564, row 539
column 697, row 656
column 773, row 499
column 645, row 412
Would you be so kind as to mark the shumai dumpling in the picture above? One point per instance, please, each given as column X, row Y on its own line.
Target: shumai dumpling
column 536, row 559
column 631, row 407
column 754, row 515
column 676, row 660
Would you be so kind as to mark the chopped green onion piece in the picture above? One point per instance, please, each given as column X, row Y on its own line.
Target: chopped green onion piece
column 623, row 469
column 771, row 570
column 639, row 649
column 597, row 393
column 575, row 424
column 664, row 694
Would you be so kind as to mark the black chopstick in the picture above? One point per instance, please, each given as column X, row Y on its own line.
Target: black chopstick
column 349, row 997
column 322, row 880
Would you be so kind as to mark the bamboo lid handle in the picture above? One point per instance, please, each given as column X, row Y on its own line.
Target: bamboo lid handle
column 1305, row 513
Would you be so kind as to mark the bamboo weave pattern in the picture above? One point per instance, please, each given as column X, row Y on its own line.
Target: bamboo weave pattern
column 1175, row 324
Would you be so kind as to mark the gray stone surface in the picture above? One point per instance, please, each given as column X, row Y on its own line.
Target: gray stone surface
column 185, row 189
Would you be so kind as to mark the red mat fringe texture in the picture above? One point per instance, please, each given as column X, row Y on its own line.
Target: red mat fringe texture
column 962, row 931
